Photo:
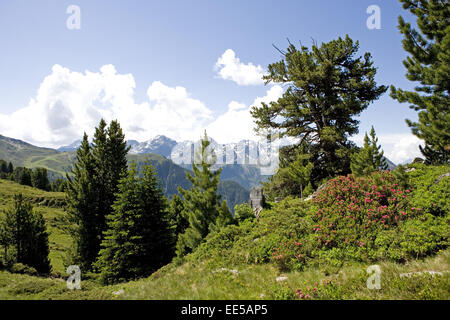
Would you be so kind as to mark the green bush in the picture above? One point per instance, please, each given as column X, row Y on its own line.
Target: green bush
column 253, row 241
column 428, row 193
column 23, row 269
column 416, row 238
column 243, row 212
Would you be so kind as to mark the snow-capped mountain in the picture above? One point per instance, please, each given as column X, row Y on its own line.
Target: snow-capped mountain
column 71, row 147
column 161, row 145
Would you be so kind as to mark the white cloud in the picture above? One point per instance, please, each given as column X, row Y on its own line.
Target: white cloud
column 229, row 67
column 69, row 103
column 237, row 123
column 397, row 147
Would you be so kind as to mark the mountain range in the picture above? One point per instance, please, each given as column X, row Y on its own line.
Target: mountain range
column 239, row 161
column 59, row 162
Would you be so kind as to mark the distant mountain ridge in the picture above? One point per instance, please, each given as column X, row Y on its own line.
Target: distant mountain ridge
column 238, row 160
column 58, row 163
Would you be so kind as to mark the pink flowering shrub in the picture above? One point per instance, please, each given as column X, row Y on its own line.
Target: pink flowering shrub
column 349, row 212
column 289, row 255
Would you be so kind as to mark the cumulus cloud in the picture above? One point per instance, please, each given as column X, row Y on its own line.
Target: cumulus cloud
column 69, row 103
column 237, row 123
column 229, row 67
column 397, row 147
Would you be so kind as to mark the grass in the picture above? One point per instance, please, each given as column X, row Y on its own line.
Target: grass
column 253, row 282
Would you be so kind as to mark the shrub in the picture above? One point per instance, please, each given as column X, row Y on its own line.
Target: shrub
column 430, row 193
column 289, row 255
column 350, row 212
column 23, row 269
column 243, row 212
column 253, row 241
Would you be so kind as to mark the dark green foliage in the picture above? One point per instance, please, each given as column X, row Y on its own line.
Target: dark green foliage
column 224, row 218
column 22, row 176
column 10, row 167
column 58, row 185
column 5, row 169
column 25, row 232
column 178, row 221
column 91, row 191
column 202, row 204
column 293, row 176
column 243, row 212
column 83, row 207
column 3, row 166
column 327, row 87
column 369, row 158
column 429, row 65
column 138, row 240
column 39, row 179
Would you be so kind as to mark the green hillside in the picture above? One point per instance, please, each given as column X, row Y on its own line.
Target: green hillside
column 21, row 153
column 51, row 205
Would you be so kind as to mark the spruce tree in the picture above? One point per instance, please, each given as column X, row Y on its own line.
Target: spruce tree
column 326, row 87
column 429, row 65
column 25, row 231
column 177, row 218
column 39, row 177
column 138, row 239
column 201, row 203
column 82, row 196
column 10, row 167
column 3, row 166
column 92, row 192
column 369, row 158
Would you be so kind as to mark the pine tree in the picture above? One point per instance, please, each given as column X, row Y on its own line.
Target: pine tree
column 138, row 239
column 201, row 203
column 294, row 175
column 429, row 65
column 369, row 158
column 327, row 87
column 25, row 231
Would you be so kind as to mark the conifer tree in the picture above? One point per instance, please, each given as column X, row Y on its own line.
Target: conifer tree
column 224, row 217
column 326, row 87
column 3, row 166
column 300, row 171
column 92, row 191
column 10, row 167
column 201, row 203
column 138, row 239
column 39, row 177
column 369, row 158
column 177, row 218
column 82, row 195
column 429, row 65
column 25, row 231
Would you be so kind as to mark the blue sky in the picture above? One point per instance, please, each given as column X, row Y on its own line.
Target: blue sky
column 162, row 56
